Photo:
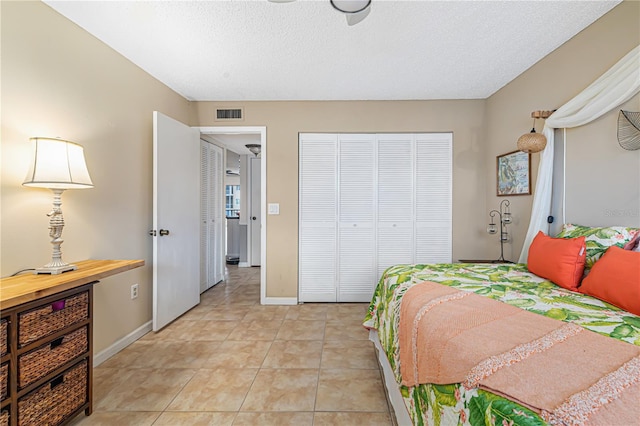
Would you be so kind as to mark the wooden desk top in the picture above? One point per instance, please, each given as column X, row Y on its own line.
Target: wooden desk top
column 27, row 287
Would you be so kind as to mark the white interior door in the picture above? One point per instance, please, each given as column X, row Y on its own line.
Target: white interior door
column 256, row 217
column 356, row 217
column 317, row 218
column 205, row 174
column 176, row 214
column 211, row 217
column 217, row 215
column 433, row 225
column 395, row 200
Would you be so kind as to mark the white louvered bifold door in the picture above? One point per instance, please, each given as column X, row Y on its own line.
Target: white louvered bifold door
column 318, row 198
column 433, row 197
column 395, row 200
column 211, row 229
column 356, row 217
column 211, row 218
column 367, row 202
column 204, row 214
column 215, row 215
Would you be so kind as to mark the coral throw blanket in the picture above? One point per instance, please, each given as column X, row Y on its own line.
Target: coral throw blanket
column 566, row 373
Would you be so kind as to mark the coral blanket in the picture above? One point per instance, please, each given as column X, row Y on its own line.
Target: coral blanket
column 567, row 373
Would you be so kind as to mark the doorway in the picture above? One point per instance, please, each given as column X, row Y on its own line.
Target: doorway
column 234, row 138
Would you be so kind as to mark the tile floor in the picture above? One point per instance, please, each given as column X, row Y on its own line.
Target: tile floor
column 231, row 361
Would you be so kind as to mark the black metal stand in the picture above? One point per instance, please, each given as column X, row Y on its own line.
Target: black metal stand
column 505, row 219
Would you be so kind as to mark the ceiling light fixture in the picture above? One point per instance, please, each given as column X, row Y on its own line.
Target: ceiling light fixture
column 355, row 10
column 255, row 148
column 534, row 142
column 350, row 6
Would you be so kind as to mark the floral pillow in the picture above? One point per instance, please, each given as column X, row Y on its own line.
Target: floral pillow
column 598, row 240
column 634, row 243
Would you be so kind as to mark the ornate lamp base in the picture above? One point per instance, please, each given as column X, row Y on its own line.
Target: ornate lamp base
column 56, row 223
column 54, row 270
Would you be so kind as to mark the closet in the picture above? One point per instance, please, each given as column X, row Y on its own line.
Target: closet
column 211, row 215
column 366, row 202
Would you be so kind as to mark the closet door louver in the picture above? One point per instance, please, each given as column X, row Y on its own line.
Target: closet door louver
column 395, row 200
column 433, row 198
column 356, row 217
column 317, row 218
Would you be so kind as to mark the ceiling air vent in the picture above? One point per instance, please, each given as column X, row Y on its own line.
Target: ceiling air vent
column 229, row 114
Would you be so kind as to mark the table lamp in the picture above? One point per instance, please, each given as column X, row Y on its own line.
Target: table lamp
column 58, row 165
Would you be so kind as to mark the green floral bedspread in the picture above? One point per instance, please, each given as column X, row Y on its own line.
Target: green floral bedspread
column 510, row 283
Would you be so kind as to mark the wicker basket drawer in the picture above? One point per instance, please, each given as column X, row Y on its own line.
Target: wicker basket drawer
column 4, row 380
column 4, row 418
column 4, row 334
column 41, row 361
column 47, row 319
column 55, row 401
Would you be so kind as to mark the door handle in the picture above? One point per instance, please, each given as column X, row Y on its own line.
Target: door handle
column 253, row 218
column 152, row 232
column 164, row 232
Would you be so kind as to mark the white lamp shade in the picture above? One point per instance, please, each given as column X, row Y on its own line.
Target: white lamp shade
column 57, row 164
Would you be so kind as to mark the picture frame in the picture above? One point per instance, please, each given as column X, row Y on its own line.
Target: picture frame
column 513, row 174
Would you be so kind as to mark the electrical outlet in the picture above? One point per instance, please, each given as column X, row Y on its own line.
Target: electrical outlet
column 134, row 291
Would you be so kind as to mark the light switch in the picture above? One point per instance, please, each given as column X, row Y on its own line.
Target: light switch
column 274, row 208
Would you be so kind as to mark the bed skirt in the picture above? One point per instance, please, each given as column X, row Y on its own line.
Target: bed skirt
column 400, row 415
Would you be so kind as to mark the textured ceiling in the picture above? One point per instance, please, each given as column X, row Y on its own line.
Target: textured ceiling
column 260, row 50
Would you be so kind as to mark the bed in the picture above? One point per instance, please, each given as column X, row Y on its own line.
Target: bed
column 508, row 284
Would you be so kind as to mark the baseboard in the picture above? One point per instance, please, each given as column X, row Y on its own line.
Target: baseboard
column 244, row 265
column 279, row 301
column 121, row 344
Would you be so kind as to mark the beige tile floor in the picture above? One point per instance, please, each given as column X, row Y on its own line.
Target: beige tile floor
column 232, row 361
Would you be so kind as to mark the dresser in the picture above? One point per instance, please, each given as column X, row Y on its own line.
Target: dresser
column 46, row 343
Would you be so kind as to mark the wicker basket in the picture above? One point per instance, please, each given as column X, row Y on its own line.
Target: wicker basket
column 4, row 380
column 4, row 325
column 4, row 418
column 47, row 319
column 39, row 362
column 55, row 401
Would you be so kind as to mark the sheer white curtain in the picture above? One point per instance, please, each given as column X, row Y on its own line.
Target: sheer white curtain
column 613, row 88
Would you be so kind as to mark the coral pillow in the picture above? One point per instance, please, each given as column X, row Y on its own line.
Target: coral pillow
column 615, row 278
column 560, row 260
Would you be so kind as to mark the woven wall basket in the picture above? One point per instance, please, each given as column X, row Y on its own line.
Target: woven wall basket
column 629, row 130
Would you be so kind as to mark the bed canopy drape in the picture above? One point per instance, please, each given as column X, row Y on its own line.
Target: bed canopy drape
column 613, row 88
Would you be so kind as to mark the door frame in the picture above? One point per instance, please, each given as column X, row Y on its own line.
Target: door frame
column 262, row 130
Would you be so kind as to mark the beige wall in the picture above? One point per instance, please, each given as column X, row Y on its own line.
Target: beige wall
column 284, row 120
column 550, row 83
column 603, row 179
column 59, row 81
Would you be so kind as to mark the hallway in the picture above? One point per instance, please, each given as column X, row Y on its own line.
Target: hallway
column 232, row 361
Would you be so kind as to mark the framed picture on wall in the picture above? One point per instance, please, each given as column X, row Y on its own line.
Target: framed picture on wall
column 513, row 173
